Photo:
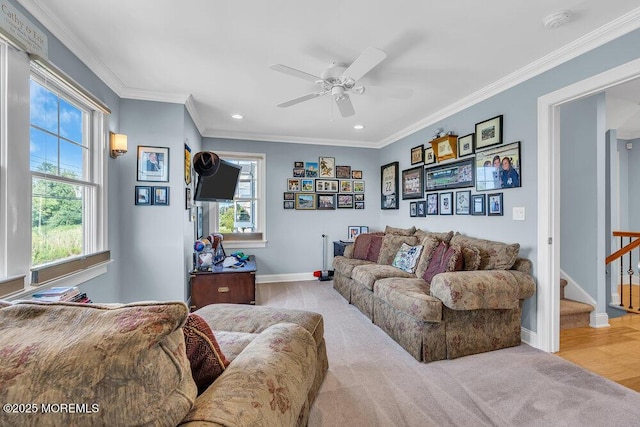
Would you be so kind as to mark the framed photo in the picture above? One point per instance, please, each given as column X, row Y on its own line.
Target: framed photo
column 143, row 195
column 356, row 174
column 465, row 145
column 422, row 208
column 429, row 156
column 305, row 201
column 417, row 155
column 358, row 197
column 358, row 186
column 489, row 132
column 346, row 186
column 298, row 173
column 446, row 203
column 353, row 231
column 364, row 229
column 293, row 184
column 432, row 204
column 187, row 198
column 288, row 204
column 343, row 172
column 326, row 201
column 327, row 167
column 413, row 209
column 463, row 202
column 289, row 196
column 153, row 164
column 498, row 168
column 161, row 196
column 298, row 165
column 327, row 186
column 389, row 186
column 358, row 205
column 495, row 204
column 451, row 175
column 478, row 205
column 412, row 183
column 311, row 169
column 199, row 222
column 345, row 201
column 307, row 185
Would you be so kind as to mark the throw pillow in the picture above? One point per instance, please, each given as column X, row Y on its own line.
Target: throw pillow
column 443, row 237
column 407, row 257
column 494, row 255
column 472, row 258
column 374, row 247
column 362, row 244
column 400, row 231
column 445, row 258
column 390, row 245
column 206, row 360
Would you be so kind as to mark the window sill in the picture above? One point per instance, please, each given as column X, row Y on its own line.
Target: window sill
column 73, row 279
column 244, row 244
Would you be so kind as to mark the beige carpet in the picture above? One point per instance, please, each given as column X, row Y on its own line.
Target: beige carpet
column 372, row 381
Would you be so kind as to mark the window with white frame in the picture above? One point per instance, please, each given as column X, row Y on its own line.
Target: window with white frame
column 243, row 219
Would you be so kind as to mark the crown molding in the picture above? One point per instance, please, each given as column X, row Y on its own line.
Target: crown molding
column 213, row 133
column 190, row 105
column 608, row 32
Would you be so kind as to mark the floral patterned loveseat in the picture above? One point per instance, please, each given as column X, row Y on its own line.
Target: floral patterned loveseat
column 461, row 295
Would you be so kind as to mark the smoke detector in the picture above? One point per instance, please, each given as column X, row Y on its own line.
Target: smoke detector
column 557, row 19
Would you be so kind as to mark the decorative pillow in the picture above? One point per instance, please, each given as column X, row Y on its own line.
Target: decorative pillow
column 129, row 360
column 390, row 245
column 362, row 243
column 400, row 231
column 407, row 257
column 445, row 258
column 443, row 237
column 472, row 258
column 429, row 245
column 374, row 247
column 493, row 255
column 204, row 354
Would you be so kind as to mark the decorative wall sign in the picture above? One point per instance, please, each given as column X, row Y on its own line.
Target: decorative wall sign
column 445, row 147
column 389, row 186
column 450, row 175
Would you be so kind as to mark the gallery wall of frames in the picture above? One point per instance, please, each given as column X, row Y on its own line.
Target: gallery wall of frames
column 461, row 175
column 324, row 185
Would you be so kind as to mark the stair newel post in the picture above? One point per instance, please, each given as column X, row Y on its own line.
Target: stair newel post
column 630, row 272
column 621, row 273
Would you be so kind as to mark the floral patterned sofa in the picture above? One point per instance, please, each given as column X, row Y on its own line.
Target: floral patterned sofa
column 130, row 364
column 457, row 296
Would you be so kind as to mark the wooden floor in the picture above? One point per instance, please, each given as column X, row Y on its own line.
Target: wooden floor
column 612, row 352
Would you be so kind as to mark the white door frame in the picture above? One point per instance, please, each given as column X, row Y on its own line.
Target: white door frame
column 548, row 295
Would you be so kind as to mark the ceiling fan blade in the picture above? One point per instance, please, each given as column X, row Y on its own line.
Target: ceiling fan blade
column 295, row 73
column 364, row 63
column 389, row 92
column 301, row 99
column 345, row 106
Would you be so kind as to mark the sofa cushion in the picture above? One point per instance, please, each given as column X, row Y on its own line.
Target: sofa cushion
column 494, row 255
column 400, row 231
column 410, row 296
column 430, row 242
column 205, row 357
column 481, row 290
column 444, row 258
column 472, row 258
column 390, row 245
column 443, row 237
column 362, row 243
column 407, row 257
column 232, row 343
column 367, row 275
column 345, row 266
column 129, row 360
column 374, row 247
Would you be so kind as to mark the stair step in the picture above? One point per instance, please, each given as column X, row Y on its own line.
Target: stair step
column 574, row 314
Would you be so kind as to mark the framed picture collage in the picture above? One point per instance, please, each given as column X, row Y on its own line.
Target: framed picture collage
column 323, row 185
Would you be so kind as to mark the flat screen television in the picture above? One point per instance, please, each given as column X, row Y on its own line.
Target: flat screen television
column 219, row 187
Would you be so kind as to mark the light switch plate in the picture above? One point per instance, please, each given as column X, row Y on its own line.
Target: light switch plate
column 518, row 214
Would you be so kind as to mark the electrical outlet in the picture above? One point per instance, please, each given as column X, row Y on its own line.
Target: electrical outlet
column 518, row 213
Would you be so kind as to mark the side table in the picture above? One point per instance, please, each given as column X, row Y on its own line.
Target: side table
column 224, row 285
column 339, row 247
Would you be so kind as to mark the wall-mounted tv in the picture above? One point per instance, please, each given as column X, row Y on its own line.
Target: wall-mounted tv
column 219, row 187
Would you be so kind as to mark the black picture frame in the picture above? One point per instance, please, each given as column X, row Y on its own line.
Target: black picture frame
column 494, row 204
column 466, row 145
column 478, row 204
column 492, row 176
column 445, row 205
column 422, row 208
column 429, row 156
column 288, row 204
column 153, row 164
column 345, row 201
column 326, row 202
column 389, row 176
column 413, row 209
column 417, row 155
column 489, row 132
column 432, row 204
column 458, row 174
column 413, row 183
column 143, row 195
column 160, row 196
column 463, row 202
column 343, row 172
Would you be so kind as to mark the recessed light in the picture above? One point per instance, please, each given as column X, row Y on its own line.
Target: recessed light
column 237, row 116
column 358, row 127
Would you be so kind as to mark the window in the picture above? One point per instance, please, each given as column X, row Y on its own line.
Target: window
column 243, row 219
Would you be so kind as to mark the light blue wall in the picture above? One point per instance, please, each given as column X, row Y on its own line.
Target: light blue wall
column 295, row 241
column 633, row 183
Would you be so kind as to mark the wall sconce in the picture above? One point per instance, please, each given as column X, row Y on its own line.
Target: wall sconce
column 118, row 144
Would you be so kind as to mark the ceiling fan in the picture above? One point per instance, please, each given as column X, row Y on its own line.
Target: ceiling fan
column 337, row 80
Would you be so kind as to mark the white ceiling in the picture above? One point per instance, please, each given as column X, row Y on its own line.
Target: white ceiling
column 215, row 55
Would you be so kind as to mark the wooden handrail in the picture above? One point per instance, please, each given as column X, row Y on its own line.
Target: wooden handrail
column 625, row 249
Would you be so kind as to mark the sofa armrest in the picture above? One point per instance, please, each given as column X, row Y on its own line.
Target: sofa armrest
column 267, row 384
column 483, row 289
column 348, row 251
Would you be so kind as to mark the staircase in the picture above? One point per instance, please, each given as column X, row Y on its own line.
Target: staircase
column 573, row 314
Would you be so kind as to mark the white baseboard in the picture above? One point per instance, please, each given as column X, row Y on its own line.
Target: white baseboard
column 293, row 277
column 529, row 337
column 599, row 320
